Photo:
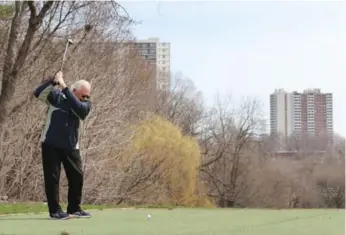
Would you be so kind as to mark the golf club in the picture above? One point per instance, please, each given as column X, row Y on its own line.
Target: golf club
column 69, row 41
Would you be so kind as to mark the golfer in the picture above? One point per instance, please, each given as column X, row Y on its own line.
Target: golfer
column 67, row 107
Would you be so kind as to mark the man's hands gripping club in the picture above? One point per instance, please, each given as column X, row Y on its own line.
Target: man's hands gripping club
column 59, row 79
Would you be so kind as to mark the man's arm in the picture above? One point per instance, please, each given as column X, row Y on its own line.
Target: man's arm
column 46, row 92
column 81, row 109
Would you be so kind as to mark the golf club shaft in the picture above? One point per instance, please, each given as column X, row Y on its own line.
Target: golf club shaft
column 63, row 59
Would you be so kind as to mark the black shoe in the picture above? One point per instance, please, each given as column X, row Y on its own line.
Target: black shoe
column 80, row 214
column 59, row 215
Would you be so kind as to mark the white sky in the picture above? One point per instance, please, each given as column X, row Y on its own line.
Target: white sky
column 251, row 48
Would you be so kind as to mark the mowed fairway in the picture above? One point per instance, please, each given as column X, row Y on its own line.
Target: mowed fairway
column 183, row 221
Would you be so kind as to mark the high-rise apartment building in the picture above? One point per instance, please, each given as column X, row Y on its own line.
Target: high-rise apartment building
column 159, row 54
column 307, row 115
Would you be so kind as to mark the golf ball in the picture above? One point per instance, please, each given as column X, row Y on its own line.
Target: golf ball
column 149, row 216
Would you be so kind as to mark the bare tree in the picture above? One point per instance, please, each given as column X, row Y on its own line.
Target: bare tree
column 14, row 60
column 229, row 135
column 182, row 105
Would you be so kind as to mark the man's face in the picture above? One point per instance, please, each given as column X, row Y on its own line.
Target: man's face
column 83, row 94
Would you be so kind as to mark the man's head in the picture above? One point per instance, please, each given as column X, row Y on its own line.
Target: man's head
column 81, row 89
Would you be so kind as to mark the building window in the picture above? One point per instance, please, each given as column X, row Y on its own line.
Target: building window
column 152, row 57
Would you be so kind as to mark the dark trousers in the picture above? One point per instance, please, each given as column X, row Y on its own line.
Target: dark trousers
column 52, row 158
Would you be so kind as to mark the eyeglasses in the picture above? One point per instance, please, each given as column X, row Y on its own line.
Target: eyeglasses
column 85, row 96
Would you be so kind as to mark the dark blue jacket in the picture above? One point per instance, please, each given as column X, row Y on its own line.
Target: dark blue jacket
column 64, row 115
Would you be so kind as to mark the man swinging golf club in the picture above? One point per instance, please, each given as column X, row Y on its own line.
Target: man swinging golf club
column 67, row 107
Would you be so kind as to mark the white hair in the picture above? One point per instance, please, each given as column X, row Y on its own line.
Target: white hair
column 80, row 84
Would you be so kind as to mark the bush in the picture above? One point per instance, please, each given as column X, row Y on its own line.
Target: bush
column 174, row 157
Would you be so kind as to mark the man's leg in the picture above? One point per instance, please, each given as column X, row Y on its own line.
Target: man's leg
column 74, row 173
column 51, row 161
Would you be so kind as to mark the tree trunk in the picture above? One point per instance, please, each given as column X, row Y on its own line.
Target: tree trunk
column 8, row 88
column 14, row 63
column 7, row 84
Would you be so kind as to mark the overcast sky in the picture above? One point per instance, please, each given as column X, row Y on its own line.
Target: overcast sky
column 251, row 48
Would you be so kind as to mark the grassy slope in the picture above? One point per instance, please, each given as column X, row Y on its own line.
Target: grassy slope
column 14, row 208
column 183, row 221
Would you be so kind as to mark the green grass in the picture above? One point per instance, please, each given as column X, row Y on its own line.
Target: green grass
column 182, row 221
column 14, row 208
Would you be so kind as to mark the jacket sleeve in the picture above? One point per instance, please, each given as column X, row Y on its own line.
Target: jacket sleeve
column 46, row 92
column 79, row 108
